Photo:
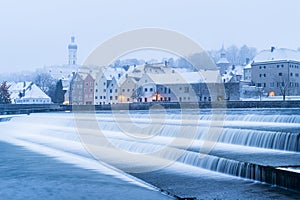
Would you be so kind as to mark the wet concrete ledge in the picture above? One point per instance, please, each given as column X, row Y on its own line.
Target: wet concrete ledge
column 190, row 105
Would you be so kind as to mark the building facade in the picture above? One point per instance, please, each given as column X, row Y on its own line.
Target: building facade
column 277, row 71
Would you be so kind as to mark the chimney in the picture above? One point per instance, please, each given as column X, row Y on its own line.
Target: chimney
column 247, row 61
column 272, row 49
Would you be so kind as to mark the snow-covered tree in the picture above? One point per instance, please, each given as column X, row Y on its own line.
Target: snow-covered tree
column 4, row 94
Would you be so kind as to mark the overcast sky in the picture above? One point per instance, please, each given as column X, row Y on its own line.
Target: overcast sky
column 35, row 33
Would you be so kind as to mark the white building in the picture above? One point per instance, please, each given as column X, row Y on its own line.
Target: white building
column 27, row 93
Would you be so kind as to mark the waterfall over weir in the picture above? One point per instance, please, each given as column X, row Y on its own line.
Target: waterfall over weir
column 250, row 145
column 240, row 129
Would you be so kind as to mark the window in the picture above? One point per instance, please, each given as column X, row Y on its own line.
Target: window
column 104, row 83
column 110, row 98
column 110, row 91
column 116, row 97
column 116, row 90
column 297, row 75
column 279, row 74
column 100, row 97
column 96, row 90
column 277, row 66
column 265, row 85
column 151, row 89
column 265, row 75
column 259, row 67
column 264, row 67
column 96, row 97
column 146, row 89
column 91, row 89
column 128, row 99
column 272, row 84
column 104, row 97
column 291, row 74
column 258, row 84
column 169, row 90
column 104, row 90
column 282, row 66
column 128, row 90
column 259, row 75
column 186, row 89
column 123, row 90
column 278, row 84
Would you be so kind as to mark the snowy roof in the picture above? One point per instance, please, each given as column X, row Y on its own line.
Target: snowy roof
column 19, row 86
column 238, row 70
column 223, row 61
column 185, row 78
column 280, row 54
column 35, row 92
column 248, row 66
column 110, row 72
column 31, row 90
column 226, row 77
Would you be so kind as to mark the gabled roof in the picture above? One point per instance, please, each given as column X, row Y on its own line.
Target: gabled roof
column 281, row 54
column 31, row 90
column 206, row 76
column 35, row 92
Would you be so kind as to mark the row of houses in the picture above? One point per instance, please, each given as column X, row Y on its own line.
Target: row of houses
column 147, row 83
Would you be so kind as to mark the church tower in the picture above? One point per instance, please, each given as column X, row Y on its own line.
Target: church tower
column 223, row 63
column 72, row 47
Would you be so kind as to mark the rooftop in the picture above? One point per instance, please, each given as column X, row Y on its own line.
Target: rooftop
column 274, row 54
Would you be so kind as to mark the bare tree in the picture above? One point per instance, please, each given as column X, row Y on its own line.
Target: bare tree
column 283, row 84
column 44, row 81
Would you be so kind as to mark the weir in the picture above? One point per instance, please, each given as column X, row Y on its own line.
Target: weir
column 269, row 142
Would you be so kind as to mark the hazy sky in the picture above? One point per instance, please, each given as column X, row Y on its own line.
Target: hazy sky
column 36, row 33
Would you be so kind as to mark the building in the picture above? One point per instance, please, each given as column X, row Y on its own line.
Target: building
column 27, row 93
column 72, row 49
column 82, row 89
column 223, row 63
column 185, row 87
column 127, row 86
column 106, row 85
column 247, row 73
column 277, row 72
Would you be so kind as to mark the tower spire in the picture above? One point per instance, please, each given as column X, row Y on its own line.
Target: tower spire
column 72, row 48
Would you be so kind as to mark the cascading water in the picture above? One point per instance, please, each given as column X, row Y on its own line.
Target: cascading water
column 238, row 129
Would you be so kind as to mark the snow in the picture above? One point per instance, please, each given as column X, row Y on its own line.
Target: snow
column 207, row 76
column 281, row 54
column 32, row 93
column 248, row 66
column 223, row 61
column 35, row 92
